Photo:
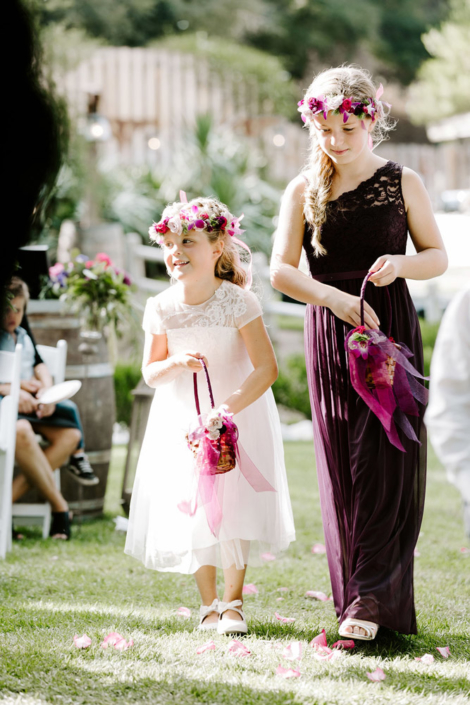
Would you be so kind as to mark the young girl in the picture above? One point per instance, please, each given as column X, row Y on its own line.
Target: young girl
column 351, row 211
column 208, row 314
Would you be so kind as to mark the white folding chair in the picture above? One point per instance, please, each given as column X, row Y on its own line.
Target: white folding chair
column 55, row 359
column 10, row 372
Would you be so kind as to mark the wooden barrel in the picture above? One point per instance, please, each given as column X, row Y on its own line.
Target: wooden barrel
column 95, row 400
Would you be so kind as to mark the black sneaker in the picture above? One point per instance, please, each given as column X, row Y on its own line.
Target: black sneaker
column 81, row 469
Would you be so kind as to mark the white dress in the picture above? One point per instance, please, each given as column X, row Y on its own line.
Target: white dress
column 159, row 533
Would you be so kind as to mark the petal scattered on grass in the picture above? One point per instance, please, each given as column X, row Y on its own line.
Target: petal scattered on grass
column 344, row 644
column 323, row 653
column 284, row 620
column 427, row 659
column 318, row 548
column 82, row 642
column 293, row 651
column 319, row 641
column 416, row 553
column 184, row 612
column 238, row 649
column 444, row 651
column 111, row 640
column 316, row 595
column 250, row 589
column 283, row 589
column 287, row 672
column 268, row 557
column 464, row 549
column 123, row 645
column 208, row 646
column 377, row 676
column 279, row 599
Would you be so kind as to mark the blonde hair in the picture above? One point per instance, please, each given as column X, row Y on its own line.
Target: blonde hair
column 18, row 288
column 229, row 264
column 352, row 82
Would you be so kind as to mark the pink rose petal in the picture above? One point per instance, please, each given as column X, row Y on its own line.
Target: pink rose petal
column 315, row 595
column 319, row 641
column 250, row 589
column 287, row 672
column 184, row 612
column 344, row 644
column 284, row 620
column 293, row 651
column 323, row 653
column 283, row 589
column 238, row 649
column 123, row 645
column 464, row 549
column 268, row 557
column 377, row 675
column 279, row 599
column 111, row 640
column 208, row 646
column 82, row 642
column 444, row 651
column 318, row 548
column 416, row 553
column 427, row 659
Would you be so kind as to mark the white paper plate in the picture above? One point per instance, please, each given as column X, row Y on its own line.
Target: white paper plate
column 60, row 392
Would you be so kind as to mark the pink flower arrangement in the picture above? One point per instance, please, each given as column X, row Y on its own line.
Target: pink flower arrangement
column 342, row 105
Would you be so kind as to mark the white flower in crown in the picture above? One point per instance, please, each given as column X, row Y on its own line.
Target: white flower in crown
column 335, row 101
column 175, row 225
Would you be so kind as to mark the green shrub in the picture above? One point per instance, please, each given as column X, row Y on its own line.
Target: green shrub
column 428, row 334
column 126, row 378
column 291, row 388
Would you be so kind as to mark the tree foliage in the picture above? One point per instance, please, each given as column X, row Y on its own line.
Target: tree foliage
column 443, row 86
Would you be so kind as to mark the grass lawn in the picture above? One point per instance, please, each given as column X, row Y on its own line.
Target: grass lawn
column 50, row 591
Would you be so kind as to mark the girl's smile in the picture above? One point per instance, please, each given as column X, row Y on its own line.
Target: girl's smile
column 338, row 138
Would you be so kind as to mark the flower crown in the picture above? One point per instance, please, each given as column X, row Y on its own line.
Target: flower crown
column 194, row 218
column 339, row 104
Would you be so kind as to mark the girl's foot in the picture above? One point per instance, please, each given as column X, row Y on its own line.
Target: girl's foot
column 232, row 619
column 359, row 628
column 209, row 616
column 60, row 526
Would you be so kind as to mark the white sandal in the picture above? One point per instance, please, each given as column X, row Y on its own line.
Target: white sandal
column 370, row 628
column 205, row 611
column 231, row 626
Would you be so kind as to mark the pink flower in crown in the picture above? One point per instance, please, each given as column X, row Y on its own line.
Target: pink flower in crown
column 235, row 227
column 175, row 225
column 103, row 257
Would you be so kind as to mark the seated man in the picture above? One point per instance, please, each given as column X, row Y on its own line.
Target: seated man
column 58, row 423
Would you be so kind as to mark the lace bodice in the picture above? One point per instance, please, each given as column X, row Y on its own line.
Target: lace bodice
column 229, row 307
column 362, row 224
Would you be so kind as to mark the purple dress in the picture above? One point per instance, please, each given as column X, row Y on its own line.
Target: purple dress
column 371, row 493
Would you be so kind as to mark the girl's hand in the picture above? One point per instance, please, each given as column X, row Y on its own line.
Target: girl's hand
column 348, row 308
column 386, row 269
column 45, row 410
column 27, row 403
column 191, row 361
column 32, row 385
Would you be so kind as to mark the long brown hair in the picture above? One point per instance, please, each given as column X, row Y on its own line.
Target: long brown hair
column 349, row 81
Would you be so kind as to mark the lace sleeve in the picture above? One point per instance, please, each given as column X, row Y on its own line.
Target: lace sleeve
column 252, row 309
column 152, row 322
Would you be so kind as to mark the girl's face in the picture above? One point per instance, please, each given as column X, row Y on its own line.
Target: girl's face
column 13, row 314
column 190, row 257
column 342, row 141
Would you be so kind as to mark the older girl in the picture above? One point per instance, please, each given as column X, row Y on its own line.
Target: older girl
column 351, row 212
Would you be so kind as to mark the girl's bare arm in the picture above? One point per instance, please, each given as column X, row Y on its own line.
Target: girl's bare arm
column 261, row 353
column 431, row 258
column 158, row 368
